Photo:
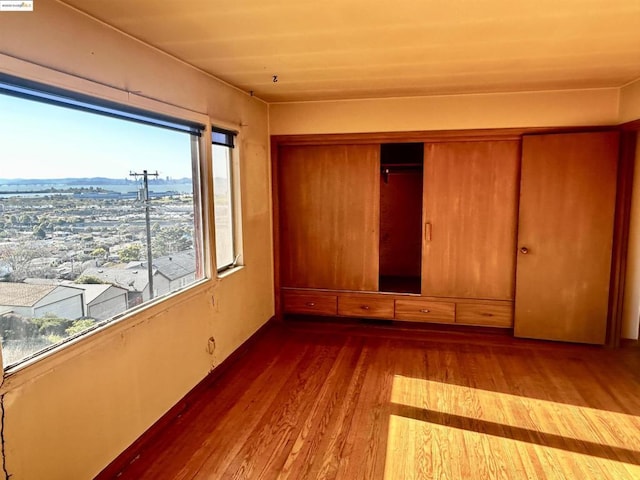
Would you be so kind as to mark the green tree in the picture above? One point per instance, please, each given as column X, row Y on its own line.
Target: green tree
column 39, row 232
column 16, row 327
column 170, row 240
column 89, row 280
column 130, row 253
column 51, row 324
column 80, row 326
column 99, row 252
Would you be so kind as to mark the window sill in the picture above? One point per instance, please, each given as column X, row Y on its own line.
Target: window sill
column 229, row 271
column 24, row 372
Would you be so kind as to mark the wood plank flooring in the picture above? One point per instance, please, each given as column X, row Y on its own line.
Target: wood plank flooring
column 315, row 400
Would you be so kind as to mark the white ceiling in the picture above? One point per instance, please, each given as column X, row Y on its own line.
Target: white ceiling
column 340, row 49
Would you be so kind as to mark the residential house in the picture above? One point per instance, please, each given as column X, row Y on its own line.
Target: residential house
column 101, row 300
column 36, row 301
column 133, row 278
column 179, row 268
column 104, row 301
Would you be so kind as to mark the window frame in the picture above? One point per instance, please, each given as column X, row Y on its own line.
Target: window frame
column 228, row 138
column 141, row 110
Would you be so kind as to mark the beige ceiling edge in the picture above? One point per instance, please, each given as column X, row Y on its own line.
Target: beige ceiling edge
column 452, row 95
column 588, row 107
column 630, row 102
column 159, row 50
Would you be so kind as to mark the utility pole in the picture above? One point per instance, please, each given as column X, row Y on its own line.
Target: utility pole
column 147, row 207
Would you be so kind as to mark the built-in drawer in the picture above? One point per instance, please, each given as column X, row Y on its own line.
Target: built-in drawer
column 416, row 310
column 365, row 306
column 310, row 303
column 486, row 315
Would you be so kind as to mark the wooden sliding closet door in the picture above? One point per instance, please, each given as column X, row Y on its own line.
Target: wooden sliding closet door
column 329, row 216
column 470, row 214
column 565, row 236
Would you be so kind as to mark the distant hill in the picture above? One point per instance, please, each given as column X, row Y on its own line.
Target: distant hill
column 87, row 181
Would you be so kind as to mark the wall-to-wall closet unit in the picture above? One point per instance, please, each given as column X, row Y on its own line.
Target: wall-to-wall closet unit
column 504, row 228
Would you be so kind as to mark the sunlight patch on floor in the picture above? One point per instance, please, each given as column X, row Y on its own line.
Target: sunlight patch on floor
column 447, row 431
column 577, row 422
column 420, row 450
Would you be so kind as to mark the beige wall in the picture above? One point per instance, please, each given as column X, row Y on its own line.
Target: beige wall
column 630, row 102
column 457, row 112
column 68, row 415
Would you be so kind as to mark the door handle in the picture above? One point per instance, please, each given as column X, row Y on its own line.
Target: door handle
column 427, row 231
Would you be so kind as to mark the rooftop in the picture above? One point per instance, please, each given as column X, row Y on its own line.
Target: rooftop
column 23, row 294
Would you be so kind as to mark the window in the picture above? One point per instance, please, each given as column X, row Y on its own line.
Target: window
column 99, row 213
column 224, row 198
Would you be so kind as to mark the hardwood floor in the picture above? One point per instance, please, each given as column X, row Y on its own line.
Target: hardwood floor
column 335, row 401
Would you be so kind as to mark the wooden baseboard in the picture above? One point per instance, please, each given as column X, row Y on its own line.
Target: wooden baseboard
column 113, row 470
column 629, row 342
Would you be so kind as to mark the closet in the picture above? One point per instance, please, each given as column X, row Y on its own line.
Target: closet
column 427, row 230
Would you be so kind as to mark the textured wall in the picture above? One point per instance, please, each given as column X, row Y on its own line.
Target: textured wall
column 68, row 415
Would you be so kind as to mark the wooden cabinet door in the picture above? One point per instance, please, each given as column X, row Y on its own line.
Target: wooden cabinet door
column 329, row 216
column 470, row 214
column 565, row 236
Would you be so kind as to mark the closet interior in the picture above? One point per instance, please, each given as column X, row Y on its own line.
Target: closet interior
column 401, row 170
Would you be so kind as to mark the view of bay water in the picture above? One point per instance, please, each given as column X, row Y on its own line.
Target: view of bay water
column 38, row 187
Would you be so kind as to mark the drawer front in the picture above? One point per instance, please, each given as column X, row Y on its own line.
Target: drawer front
column 425, row 311
column 364, row 306
column 310, row 303
column 487, row 315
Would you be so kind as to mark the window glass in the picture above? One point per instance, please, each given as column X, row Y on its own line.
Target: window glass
column 226, row 255
column 97, row 216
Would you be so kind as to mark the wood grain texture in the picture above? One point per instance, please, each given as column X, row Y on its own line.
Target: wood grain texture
column 567, row 201
column 418, row 310
column 329, row 216
column 365, row 306
column 470, row 211
column 352, row 402
column 275, row 217
column 622, row 223
column 310, row 303
column 488, row 315
column 428, row 136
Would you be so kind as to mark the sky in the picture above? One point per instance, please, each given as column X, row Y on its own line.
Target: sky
column 44, row 141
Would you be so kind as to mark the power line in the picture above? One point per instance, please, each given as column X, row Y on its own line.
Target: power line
column 147, row 207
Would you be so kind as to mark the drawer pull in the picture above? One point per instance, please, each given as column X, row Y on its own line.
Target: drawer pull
column 364, row 307
column 310, row 304
column 424, row 310
column 486, row 314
